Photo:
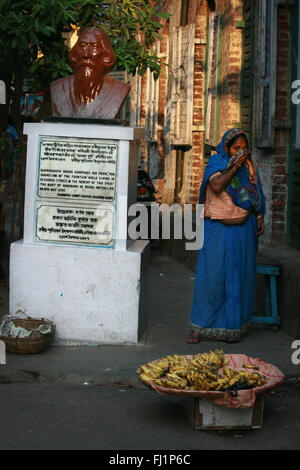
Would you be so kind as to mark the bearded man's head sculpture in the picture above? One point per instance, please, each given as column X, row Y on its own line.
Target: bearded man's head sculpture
column 90, row 92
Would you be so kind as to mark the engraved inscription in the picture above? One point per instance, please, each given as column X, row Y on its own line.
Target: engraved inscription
column 81, row 169
column 75, row 224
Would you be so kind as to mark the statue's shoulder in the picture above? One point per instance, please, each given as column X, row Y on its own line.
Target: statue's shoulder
column 115, row 85
column 61, row 93
column 62, row 84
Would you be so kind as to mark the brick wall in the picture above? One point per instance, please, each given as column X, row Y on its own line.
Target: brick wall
column 281, row 152
column 273, row 164
column 230, row 86
column 143, row 145
column 161, row 111
column 230, row 65
column 195, row 160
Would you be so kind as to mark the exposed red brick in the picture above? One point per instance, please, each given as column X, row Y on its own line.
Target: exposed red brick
column 279, row 170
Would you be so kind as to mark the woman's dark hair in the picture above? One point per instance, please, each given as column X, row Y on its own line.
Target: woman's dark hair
column 235, row 138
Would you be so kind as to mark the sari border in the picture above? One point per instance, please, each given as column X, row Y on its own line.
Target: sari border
column 220, row 334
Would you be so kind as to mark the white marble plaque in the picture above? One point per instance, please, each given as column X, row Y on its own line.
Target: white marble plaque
column 69, row 224
column 81, row 169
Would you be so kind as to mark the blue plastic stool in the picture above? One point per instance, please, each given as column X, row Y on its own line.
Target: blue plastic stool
column 271, row 317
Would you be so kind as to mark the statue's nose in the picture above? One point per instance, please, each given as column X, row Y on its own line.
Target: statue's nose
column 86, row 51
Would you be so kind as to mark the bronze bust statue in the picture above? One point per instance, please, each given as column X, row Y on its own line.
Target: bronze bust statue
column 90, row 92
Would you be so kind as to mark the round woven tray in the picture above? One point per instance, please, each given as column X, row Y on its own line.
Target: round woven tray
column 243, row 399
column 31, row 345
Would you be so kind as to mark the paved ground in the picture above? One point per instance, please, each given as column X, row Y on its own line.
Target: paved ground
column 62, row 416
column 87, row 397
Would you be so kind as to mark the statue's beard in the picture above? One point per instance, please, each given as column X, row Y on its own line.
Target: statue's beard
column 87, row 83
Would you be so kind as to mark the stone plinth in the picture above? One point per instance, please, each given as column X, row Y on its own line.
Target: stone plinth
column 75, row 265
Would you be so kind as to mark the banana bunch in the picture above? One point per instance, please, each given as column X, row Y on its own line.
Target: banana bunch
column 253, row 379
column 152, row 371
column 172, row 381
column 178, row 363
column 197, row 380
column 206, row 371
column 215, row 359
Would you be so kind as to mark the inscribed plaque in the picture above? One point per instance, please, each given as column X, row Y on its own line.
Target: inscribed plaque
column 81, row 169
column 88, row 225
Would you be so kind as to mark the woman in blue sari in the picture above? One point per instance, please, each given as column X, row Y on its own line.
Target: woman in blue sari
column 234, row 208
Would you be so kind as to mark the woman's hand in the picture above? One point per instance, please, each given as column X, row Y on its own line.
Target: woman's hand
column 260, row 225
column 219, row 182
column 240, row 162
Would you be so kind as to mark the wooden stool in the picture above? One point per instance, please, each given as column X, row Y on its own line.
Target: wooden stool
column 271, row 318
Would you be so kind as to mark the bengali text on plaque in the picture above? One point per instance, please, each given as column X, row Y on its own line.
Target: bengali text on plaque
column 81, row 169
column 75, row 224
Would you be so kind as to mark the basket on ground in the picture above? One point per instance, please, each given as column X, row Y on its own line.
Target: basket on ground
column 35, row 342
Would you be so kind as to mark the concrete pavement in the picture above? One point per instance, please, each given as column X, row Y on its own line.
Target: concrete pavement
column 89, row 397
column 170, row 291
column 116, row 417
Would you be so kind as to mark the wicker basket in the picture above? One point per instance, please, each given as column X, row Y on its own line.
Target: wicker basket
column 31, row 345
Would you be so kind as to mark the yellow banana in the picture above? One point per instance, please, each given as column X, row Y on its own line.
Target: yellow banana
column 151, row 373
column 146, row 378
column 203, row 385
column 250, row 366
column 194, row 362
column 160, row 382
column 233, row 381
column 172, row 384
column 181, row 373
column 212, row 385
column 155, row 368
column 173, row 377
column 183, row 384
column 163, row 363
column 211, row 375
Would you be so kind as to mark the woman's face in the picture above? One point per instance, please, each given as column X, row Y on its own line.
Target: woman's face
column 239, row 144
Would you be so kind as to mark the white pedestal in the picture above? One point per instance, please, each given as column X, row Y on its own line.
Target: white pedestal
column 92, row 295
column 95, row 293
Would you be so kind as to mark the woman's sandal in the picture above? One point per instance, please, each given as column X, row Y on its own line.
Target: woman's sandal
column 193, row 338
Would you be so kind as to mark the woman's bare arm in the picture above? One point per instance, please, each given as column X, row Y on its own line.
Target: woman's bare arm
column 219, row 182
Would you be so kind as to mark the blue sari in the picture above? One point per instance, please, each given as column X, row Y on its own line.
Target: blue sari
column 223, row 301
